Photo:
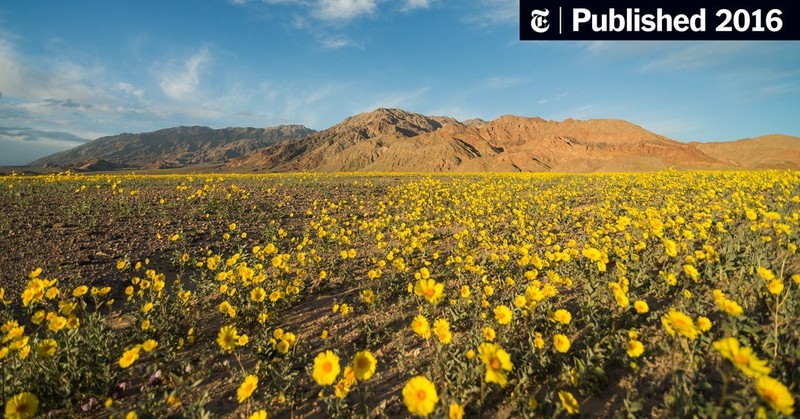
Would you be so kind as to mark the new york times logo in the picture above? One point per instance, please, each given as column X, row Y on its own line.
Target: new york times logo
column 679, row 20
column 539, row 22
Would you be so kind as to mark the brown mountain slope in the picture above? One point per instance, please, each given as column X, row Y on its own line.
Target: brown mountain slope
column 766, row 152
column 350, row 145
column 533, row 144
column 395, row 140
column 400, row 141
column 171, row 147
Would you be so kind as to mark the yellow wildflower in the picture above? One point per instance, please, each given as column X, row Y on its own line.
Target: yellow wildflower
column 22, row 406
column 489, row 334
column 47, row 347
column 421, row 326
column 561, row 343
column 775, row 394
column 364, row 365
column 227, row 338
column 129, row 357
column 675, row 321
column 503, row 314
column 80, row 291
column 641, row 306
column 419, row 396
column 775, row 287
column 326, row 368
column 568, row 402
column 429, row 289
column 704, row 324
column 455, row 411
column 246, row 389
column 742, row 357
column 258, row 294
column 561, row 316
column 441, row 328
column 497, row 362
column 149, row 345
column 635, row 348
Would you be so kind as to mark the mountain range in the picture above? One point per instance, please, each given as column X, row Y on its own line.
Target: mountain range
column 396, row 140
column 171, row 147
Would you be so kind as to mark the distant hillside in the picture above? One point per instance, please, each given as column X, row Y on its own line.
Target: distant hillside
column 396, row 140
column 766, row 152
column 351, row 145
column 171, row 147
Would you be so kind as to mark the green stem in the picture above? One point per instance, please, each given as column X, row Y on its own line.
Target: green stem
column 442, row 375
column 725, row 382
column 4, row 381
column 777, row 314
column 480, row 411
column 361, row 398
column 236, row 354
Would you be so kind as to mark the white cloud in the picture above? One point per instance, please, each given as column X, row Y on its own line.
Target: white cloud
column 21, row 145
column 305, row 99
column 680, row 56
column 416, row 4
column 502, row 83
column 306, row 104
column 40, row 141
column 343, row 9
column 587, row 111
column 41, row 80
column 335, row 42
column 674, row 128
column 780, row 89
column 493, row 12
column 129, row 89
column 456, row 111
column 11, row 77
column 57, row 93
column 18, row 134
column 403, row 100
column 758, row 83
column 285, row 1
column 697, row 55
column 621, row 49
column 181, row 83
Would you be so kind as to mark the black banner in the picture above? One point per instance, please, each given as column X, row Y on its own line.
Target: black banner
column 593, row 20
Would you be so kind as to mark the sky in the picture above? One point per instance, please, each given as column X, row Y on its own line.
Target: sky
column 73, row 71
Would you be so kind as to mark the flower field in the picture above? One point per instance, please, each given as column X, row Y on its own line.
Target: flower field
column 668, row 294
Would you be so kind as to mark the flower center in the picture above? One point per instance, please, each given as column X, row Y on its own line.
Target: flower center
column 327, row 366
column 770, row 396
column 495, row 364
column 421, row 395
column 740, row 359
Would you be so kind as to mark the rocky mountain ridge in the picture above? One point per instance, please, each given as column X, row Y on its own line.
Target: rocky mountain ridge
column 173, row 147
column 394, row 140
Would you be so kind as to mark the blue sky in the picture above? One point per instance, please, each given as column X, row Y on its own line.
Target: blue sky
column 77, row 70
